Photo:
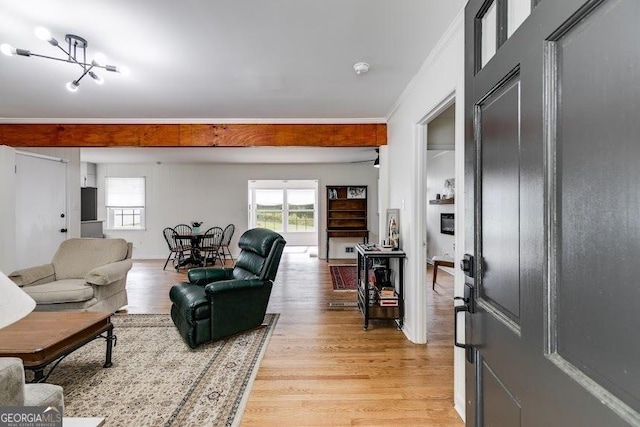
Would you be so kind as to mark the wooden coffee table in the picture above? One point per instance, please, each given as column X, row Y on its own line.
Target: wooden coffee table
column 42, row 338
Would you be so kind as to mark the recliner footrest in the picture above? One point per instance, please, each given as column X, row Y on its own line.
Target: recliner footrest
column 191, row 313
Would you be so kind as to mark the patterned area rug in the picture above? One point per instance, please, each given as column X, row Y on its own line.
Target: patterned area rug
column 157, row 380
column 344, row 277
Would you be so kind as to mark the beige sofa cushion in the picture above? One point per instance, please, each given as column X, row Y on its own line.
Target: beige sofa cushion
column 77, row 257
column 11, row 381
column 43, row 395
column 68, row 290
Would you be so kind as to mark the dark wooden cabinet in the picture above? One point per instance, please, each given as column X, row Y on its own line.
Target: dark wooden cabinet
column 346, row 212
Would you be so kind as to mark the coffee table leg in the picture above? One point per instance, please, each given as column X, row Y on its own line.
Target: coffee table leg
column 110, row 338
column 38, row 376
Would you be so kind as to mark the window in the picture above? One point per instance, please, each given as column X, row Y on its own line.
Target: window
column 301, row 210
column 125, row 203
column 489, row 34
column 283, row 206
column 269, row 209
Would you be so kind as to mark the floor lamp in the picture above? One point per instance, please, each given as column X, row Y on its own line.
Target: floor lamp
column 14, row 302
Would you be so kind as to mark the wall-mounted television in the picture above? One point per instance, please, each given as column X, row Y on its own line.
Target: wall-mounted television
column 447, row 223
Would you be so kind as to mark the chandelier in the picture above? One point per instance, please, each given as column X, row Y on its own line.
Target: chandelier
column 76, row 53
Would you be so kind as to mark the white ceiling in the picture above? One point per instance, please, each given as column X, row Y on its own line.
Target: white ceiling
column 274, row 61
column 196, row 60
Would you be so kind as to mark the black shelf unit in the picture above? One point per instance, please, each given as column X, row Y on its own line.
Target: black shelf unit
column 368, row 306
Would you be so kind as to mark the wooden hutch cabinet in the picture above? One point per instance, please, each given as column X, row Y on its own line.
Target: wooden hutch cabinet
column 346, row 212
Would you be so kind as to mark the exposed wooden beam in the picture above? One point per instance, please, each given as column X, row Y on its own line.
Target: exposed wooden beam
column 193, row 135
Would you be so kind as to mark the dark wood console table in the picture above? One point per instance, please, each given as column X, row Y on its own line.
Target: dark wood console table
column 369, row 307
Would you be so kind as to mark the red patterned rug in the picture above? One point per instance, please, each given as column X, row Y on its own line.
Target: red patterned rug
column 343, row 277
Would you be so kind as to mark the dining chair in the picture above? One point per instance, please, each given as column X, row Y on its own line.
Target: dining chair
column 176, row 248
column 226, row 241
column 184, row 230
column 210, row 245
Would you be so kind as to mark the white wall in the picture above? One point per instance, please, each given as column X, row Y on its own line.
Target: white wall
column 217, row 195
column 442, row 131
column 440, row 166
column 441, row 75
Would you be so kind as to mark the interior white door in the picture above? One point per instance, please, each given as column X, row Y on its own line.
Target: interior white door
column 41, row 213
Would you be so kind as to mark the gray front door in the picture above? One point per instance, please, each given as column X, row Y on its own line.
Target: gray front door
column 553, row 173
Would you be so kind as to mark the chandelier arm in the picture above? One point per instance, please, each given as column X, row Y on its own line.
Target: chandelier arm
column 82, row 76
column 82, row 64
column 72, row 59
column 52, row 57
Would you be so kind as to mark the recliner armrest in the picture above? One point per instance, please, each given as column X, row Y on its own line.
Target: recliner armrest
column 109, row 273
column 204, row 275
column 231, row 285
column 37, row 275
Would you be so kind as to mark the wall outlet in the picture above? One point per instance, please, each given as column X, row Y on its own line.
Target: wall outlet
column 349, row 249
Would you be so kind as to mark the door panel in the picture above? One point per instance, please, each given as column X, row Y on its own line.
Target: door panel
column 500, row 152
column 598, row 195
column 41, row 198
column 552, row 159
column 499, row 406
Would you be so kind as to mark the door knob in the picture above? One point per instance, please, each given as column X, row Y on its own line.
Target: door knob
column 63, row 230
column 466, row 265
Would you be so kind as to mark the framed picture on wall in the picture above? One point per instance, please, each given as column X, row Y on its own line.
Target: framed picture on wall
column 356, row 192
column 393, row 228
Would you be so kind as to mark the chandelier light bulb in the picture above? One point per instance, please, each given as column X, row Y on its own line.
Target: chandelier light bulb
column 7, row 49
column 100, row 59
column 73, row 86
column 43, row 34
column 96, row 78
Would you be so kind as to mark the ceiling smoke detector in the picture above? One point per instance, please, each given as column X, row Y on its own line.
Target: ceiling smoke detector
column 361, row 68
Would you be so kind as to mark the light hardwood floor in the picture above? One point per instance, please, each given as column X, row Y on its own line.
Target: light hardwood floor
column 320, row 367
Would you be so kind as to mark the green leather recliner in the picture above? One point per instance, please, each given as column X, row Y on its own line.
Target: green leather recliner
column 218, row 302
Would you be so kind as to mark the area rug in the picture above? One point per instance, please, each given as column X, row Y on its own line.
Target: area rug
column 344, row 277
column 157, row 380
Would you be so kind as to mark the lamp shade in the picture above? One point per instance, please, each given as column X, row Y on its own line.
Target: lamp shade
column 14, row 302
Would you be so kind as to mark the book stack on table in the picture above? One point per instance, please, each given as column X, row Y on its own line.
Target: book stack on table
column 388, row 297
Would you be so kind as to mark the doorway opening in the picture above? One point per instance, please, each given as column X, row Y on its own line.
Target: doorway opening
column 440, row 190
column 289, row 207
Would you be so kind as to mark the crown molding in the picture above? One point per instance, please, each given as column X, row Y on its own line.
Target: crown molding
column 442, row 44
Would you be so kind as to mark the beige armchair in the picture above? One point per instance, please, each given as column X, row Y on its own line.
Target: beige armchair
column 85, row 274
column 14, row 391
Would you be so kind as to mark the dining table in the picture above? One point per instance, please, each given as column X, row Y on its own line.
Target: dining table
column 192, row 239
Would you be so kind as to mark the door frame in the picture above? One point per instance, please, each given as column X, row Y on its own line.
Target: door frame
column 456, row 96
